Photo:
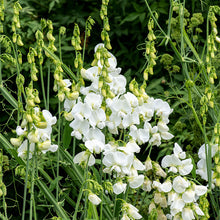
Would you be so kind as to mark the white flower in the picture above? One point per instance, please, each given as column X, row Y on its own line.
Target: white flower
column 51, row 120
column 136, row 181
column 189, row 196
column 20, row 131
column 81, row 111
column 68, row 104
column 90, row 73
column 118, row 161
column 130, row 148
column 93, row 100
column 202, row 169
column 132, row 99
column 202, row 150
column 94, row 199
column 139, row 135
column 198, row 210
column 178, row 152
column 94, row 146
column 147, row 185
column 155, row 139
column 131, row 211
column 177, row 206
column 22, row 150
column 187, row 214
column 118, row 84
column 166, row 186
column 200, row 190
column 170, row 161
column 125, row 217
column 119, row 187
column 79, row 128
column 180, row 184
column 148, row 164
column 83, row 157
column 185, row 167
column 138, row 165
column 97, row 118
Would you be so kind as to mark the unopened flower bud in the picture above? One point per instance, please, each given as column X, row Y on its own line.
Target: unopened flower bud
column 44, row 145
column 68, row 116
column 94, row 199
column 73, row 95
column 16, row 141
column 41, row 124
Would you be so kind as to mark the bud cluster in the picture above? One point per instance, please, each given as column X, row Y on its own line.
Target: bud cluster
column 150, row 52
column 40, row 43
column 106, row 27
column 62, row 85
column 76, row 42
column 2, row 15
column 31, row 60
column 89, row 23
column 3, row 190
column 50, row 36
column 16, row 38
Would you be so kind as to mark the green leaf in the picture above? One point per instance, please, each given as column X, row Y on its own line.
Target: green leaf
column 131, row 17
column 193, row 172
column 67, row 136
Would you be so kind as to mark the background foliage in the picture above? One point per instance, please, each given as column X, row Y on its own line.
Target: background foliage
column 128, row 21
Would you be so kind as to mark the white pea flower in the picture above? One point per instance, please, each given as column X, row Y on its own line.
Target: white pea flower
column 187, row 214
column 51, row 120
column 119, row 187
column 166, row 186
column 125, row 217
column 90, row 73
column 94, row 199
column 178, row 152
column 94, row 146
column 136, row 181
column 185, row 167
column 20, row 131
column 83, row 157
column 189, row 196
column 22, row 150
column 93, row 100
column 131, row 211
column 79, row 128
column 180, row 184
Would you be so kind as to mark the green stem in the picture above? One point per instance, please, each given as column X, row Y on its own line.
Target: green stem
column 26, row 180
column 32, row 201
column 48, row 87
column 84, row 45
column 42, row 85
column 58, row 156
column 60, row 47
column 81, row 192
column 74, row 146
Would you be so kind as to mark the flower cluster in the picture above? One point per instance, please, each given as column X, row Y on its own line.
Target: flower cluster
column 202, row 163
column 110, row 120
column 37, row 134
column 177, row 192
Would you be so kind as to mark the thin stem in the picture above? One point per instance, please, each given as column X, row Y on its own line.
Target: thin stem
column 84, row 44
column 32, row 201
column 42, row 85
column 101, row 174
column 26, row 180
column 81, row 192
column 74, row 146
column 58, row 156
column 60, row 47
column 48, row 87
